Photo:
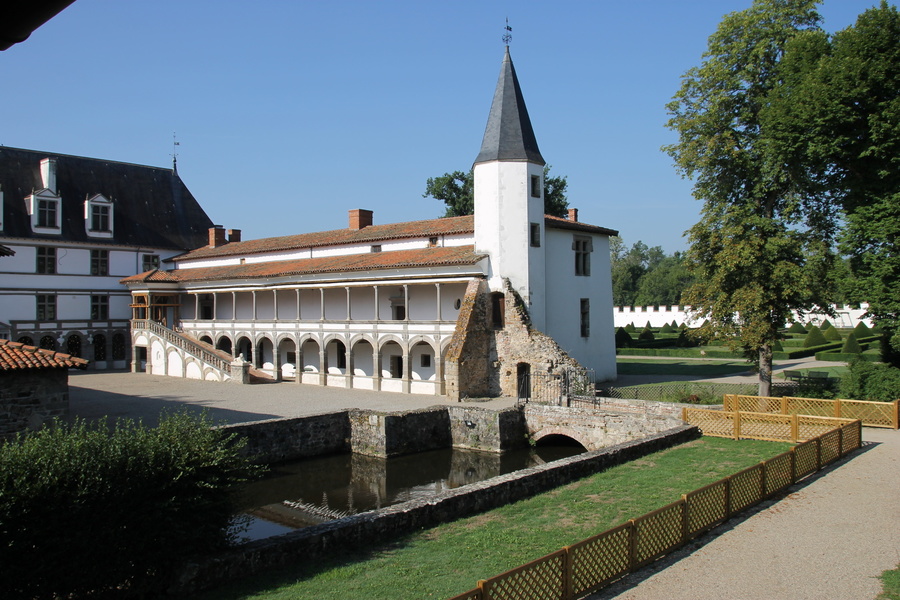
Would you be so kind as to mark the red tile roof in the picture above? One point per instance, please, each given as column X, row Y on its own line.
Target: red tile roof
column 366, row 235
column 397, row 259
column 19, row 357
column 560, row 223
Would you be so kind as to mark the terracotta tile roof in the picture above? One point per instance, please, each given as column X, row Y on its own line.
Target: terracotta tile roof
column 559, row 223
column 373, row 261
column 366, row 235
column 19, row 357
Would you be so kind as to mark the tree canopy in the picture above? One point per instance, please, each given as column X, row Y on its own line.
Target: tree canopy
column 837, row 118
column 457, row 191
column 643, row 276
column 762, row 247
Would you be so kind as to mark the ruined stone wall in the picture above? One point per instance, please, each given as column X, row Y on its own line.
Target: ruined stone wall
column 469, row 368
column 29, row 398
column 489, row 430
column 483, row 361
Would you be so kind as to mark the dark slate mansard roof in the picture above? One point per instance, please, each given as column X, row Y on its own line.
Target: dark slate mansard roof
column 152, row 206
column 509, row 135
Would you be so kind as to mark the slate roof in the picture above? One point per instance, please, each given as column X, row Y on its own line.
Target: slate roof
column 152, row 206
column 366, row 235
column 372, row 261
column 19, row 357
column 509, row 135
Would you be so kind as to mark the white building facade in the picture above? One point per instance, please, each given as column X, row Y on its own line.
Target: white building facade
column 466, row 306
column 73, row 227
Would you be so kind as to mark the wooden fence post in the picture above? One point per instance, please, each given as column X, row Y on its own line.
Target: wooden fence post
column 795, row 428
column 737, row 424
column 896, row 414
column 784, row 405
column 632, row 545
column 685, row 518
column 762, row 480
column 837, row 408
column 818, row 453
column 793, row 464
column 728, row 497
column 480, row 586
column 568, row 576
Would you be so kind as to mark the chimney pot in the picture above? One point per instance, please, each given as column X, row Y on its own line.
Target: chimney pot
column 217, row 236
column 573, row 214
column 48, row 173
column 234, row 235
column 360, row 218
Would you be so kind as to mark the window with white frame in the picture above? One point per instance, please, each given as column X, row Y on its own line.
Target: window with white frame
column 47, row 210
column 98, row 217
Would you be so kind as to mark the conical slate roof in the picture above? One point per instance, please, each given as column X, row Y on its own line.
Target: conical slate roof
column 508, row 135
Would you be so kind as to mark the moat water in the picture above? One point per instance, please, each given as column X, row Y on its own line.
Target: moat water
column 311, row 491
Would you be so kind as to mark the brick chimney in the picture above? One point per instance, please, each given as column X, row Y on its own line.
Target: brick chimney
column 217, row 236
column 234, row 235
column 48, row 173
column 360, row 218
column 573, row 214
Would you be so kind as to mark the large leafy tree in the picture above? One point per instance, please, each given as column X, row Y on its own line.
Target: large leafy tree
column 457, row 191
column 839, row 116
column 762, row 246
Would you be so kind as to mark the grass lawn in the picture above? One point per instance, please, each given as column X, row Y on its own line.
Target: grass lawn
column 890, row 582
column 694, row 368
column 449, row 559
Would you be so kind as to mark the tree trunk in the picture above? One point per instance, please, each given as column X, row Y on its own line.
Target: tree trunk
column 765, row 370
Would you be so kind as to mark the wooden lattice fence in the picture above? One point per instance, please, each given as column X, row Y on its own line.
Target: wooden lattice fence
column 589, row 565
column 872, row 414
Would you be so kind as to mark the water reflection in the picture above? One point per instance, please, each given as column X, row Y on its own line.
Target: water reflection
column 303, row 493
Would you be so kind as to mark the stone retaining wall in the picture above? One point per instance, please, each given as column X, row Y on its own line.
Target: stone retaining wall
column 29, row 398
column 395, row 434
column 393, row 521
column 280, row 440
column 594, row 428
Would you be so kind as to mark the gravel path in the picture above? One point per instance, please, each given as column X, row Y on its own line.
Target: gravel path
column 830, row 537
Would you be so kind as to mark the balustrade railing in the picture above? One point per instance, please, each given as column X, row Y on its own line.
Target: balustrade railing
column 184, row 342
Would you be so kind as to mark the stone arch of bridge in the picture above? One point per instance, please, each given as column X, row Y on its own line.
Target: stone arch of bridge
column 565, row 432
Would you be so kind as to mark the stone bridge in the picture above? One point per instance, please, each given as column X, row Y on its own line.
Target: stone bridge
column 592, row 428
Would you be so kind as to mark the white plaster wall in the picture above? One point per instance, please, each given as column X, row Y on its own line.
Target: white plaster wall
column 335, row 304
column 265, row 304
column 244, row 305
column 17, row 307
column 73, row 261
column 504, row 211
column 286, row 304
column 565, row 290
column 193, row 371
column 658, row 316
column 310, row 357
column 422, row 302
column 121, row 263
column 72, row 306
column 417, row 371
column 362, row 303
column 119, row 306
column 363, row 364
column 24, row 260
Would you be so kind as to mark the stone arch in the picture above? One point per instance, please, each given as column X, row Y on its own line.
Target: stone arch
column 100, row 350
column 335, row 355
column 310, row 348
column 363, row 350
column 387, row 339
column 358, row 337
column 174, row 362
column 223, row 343
column 156, row 356
column 206, row 339
column 193, row 369
column 48, row 342
column 423, row 357
column 244, row 345
column 287, row 351
column 264, row 357
column 551, row 432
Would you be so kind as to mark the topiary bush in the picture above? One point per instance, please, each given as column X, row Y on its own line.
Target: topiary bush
column 623, row 339
column 832, row 334
column 851, row 346
column 630, row 328
column 862, row 330
column 667, row 329
column 871, row 381
column 646, row 334
column 814, row 338
column 85, row 510
column 826, row 324
column 797, row 328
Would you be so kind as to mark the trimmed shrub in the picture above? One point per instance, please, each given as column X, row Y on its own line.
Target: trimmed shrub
column 85, row 510
column 871, row 381
column 862, row 330
column 832, row 334
column 797, row 328
column 851, row 346
column 648, row 326
column 630, row 328
column 777, row 347
column 623, row 339
column 814, row 338
column 826, row 324
column 667, row 329
column 646, row 334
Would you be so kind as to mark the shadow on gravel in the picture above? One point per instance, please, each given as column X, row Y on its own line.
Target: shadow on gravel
column 631, row 581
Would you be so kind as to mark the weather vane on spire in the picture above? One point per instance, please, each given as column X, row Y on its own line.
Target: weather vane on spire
column 507, row 36
column 175, row 144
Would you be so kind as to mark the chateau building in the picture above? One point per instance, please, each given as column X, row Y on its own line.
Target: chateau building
column 478, row 305
column 70, row 229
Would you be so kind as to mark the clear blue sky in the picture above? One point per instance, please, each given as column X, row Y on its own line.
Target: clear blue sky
column 291, row 113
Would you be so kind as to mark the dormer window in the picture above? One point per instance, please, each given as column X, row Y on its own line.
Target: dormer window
column 98, row 217
column 44, row 209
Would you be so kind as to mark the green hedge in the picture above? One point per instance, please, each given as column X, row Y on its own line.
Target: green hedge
column 847, row 357
column 89, row 511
